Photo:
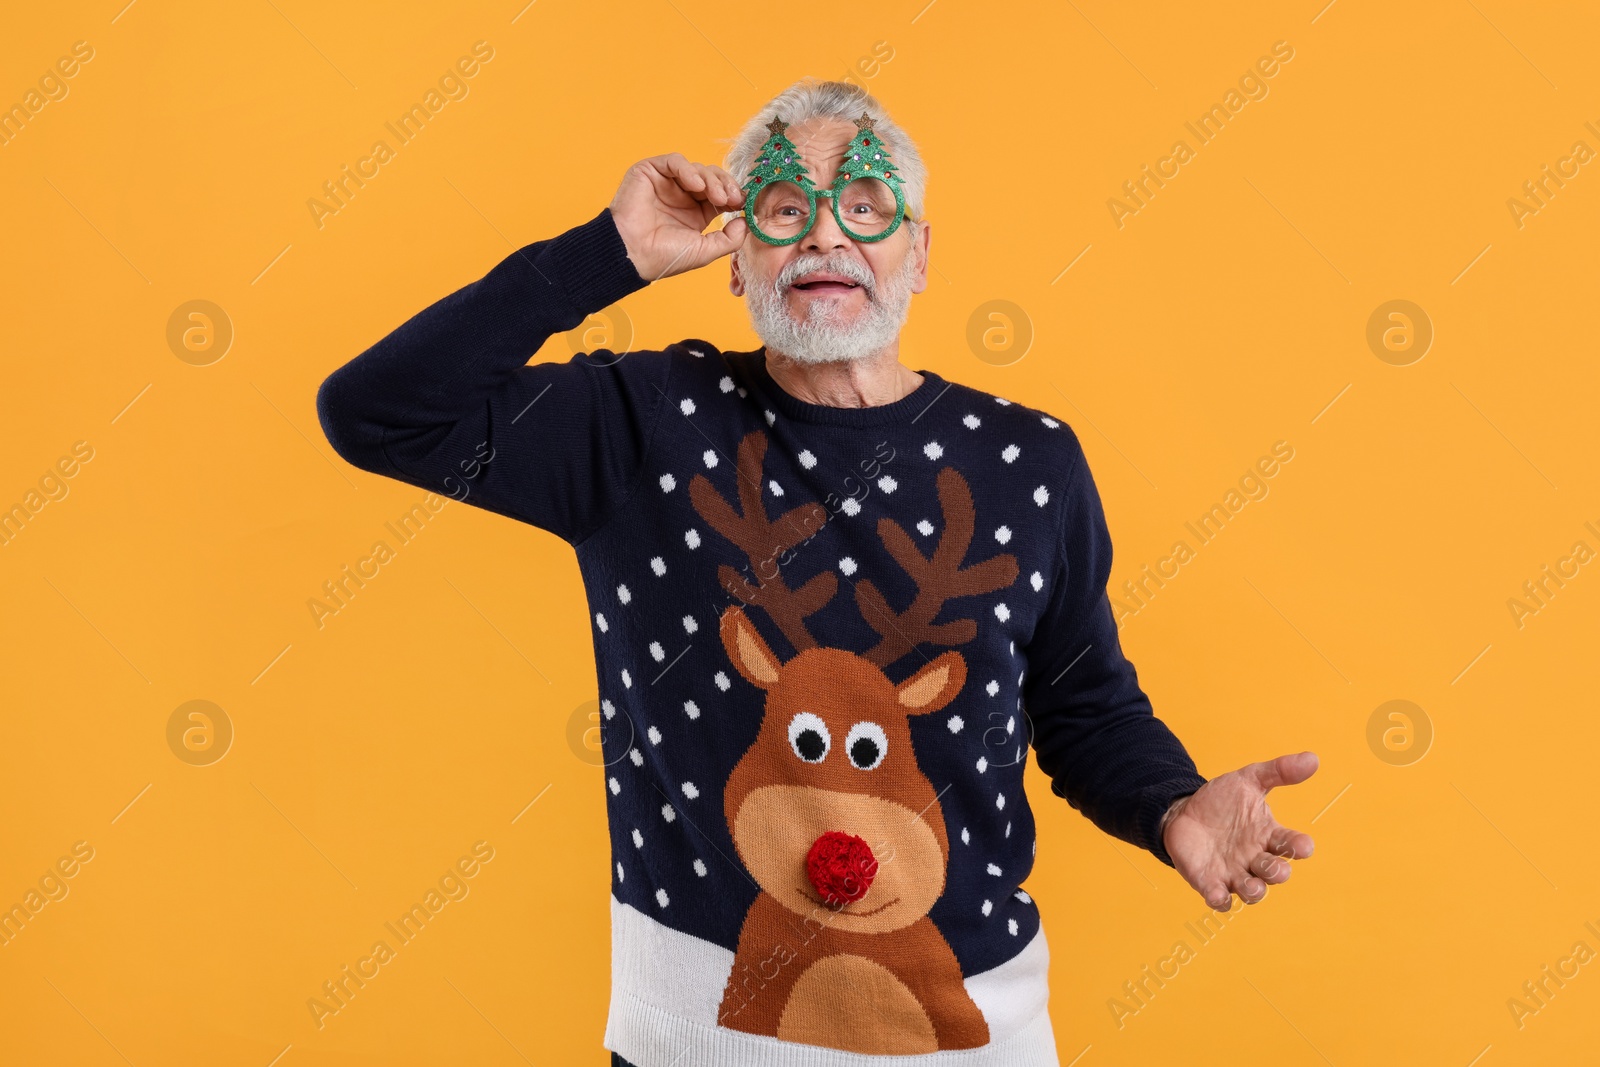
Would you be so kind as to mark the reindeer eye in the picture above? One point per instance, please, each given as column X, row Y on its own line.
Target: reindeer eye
column 866, row 744
column 808, row 736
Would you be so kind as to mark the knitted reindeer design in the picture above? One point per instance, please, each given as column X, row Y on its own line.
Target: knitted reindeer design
column 830, row 814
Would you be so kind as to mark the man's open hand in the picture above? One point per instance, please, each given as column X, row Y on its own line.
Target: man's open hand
column 1223, row 839
column 663, row 204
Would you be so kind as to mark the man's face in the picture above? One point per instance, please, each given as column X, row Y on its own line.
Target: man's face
column 827, row 297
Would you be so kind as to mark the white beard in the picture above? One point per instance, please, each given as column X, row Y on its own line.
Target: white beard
column 823, row 337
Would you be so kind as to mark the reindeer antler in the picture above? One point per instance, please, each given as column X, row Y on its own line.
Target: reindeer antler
column 939, row 577
column 763, row 540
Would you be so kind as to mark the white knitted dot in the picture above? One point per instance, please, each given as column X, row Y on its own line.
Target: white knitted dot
column 619, row 871
column 1008, row 828
column 691, row 790
column 687, row 406
column 657, row 653
column 847, row 566
column 807, row 460
column 725, row 384
column 972, row 422
column 668, row 483
column 955, row 724
column 1011, row 725
column 1002, row 612
column 689, row 625
column 658, row 565
column 992, row 688
column 1048, row 421
column 637, row 757
column 1041, row 496
column 627, row 679
column 700, row 868
column 966, row 838
column 721, row 679
column 851, row 506
column 691, row 709
column 1000, row 801
column 1011, row 924
column 988, row 906
column 888, row 484
column 933, row 450
column 925, row 528
column 1010, row 453
column 1022, row 896
column 771, row 418
column 994, row 869
column 600, row 621
column 1003, row 534
column 667, row 813
column 691, row 537
column 654, row 735
column 609, row 708
column 1002, row 401
column 661, row 899
column 983, row 764
column 623, row 594
column 616, row 786
column 709, row 457
column 1037, row 581
column 777, row 490
column 638, row 839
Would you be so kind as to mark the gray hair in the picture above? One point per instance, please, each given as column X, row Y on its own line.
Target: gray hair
column 810, row 98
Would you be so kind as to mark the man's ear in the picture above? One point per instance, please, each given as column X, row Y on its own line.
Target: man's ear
column 735, row 280
column 919, row 247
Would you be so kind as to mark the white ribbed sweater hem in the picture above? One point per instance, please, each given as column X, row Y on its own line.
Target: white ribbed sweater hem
column 666, row 985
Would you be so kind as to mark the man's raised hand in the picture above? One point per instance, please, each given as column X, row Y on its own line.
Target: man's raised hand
column 1223, row 839
column 663, row 204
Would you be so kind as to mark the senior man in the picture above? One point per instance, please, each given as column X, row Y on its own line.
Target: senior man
column 834, row 602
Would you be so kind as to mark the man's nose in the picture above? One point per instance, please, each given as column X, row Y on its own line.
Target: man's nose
column 825, row 233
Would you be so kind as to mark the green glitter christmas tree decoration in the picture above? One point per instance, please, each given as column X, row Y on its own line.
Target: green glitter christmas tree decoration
column 865, row 157
column 779, row 161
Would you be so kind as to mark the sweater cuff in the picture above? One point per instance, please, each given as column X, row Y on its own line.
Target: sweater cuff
column 590, row 264
column 1153, row 804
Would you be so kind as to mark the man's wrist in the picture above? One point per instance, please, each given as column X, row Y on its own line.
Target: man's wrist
column 1166, row 817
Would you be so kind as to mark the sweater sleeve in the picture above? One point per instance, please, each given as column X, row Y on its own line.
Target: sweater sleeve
column 1094, row 733
column 448, row 402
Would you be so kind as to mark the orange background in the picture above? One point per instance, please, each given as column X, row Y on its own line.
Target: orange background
column 1228, row 313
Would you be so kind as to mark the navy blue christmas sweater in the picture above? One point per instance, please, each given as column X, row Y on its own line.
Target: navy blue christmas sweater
column 826, row 641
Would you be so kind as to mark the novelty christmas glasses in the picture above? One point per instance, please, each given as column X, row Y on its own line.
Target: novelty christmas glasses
column 780, row 204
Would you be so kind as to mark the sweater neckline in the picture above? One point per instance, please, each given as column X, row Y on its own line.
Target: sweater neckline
column 906, row 409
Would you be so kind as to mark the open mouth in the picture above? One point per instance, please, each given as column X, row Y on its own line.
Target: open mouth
column 829, row 284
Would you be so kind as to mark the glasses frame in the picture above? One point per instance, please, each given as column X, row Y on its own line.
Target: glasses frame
column 813, row 191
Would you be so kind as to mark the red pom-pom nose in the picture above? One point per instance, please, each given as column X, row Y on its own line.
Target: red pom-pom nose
column 841, row 867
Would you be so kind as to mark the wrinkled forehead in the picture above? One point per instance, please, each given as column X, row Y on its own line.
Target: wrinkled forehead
column 822, row 143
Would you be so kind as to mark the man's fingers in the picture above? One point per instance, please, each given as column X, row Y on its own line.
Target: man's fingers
column 1251, row 889
column 1270, row 869
column 1291, row 843
column 1285, row 770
